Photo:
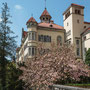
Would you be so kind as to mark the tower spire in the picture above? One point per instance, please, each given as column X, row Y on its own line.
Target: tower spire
column 45, row 4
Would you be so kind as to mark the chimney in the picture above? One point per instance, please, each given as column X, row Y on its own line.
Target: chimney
column 52, row 21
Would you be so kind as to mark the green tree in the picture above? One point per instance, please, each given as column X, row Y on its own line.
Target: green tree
column 12, row 77
column 7, row 51
column 87, row 59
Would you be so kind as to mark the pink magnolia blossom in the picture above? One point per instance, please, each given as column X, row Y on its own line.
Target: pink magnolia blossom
column 58, row 64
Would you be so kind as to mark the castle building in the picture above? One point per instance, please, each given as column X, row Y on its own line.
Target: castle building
column 75, row 31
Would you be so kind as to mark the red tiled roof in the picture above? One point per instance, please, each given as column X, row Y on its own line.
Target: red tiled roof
column 31, row 20
column 17, row 49
column 77, row 5
column 45, row 13
column 86, row 22
column 86, row 30
column 73, row 4
column 50, row 25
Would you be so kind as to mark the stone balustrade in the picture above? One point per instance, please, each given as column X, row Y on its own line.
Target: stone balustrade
column 62, row 87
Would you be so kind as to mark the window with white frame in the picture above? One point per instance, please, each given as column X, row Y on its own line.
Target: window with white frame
column 32, row 51
column 32, row 35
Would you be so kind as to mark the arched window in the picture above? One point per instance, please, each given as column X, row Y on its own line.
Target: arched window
column 59, row 40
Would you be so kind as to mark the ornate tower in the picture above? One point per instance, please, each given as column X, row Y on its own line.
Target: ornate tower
column 32, row 36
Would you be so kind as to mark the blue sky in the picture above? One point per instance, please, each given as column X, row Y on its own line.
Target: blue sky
column 22, row 10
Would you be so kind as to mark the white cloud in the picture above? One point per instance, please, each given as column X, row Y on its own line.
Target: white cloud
column 0, row 18
column 19, row 7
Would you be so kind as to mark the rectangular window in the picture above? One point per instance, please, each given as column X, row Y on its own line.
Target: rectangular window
column 77, row 42
column 77, row 11
column 44, row 38
column 32, row 35
column 39, row 38
column 49, row 39
column 78, row 52
column 85, row 50
column 67, row 15
column 78, row 21
column 32, row 51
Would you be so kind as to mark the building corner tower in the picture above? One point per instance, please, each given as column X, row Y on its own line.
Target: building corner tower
column 32, row 37
column 73, row 24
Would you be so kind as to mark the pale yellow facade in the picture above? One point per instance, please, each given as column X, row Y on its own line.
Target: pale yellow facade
column 48, row 32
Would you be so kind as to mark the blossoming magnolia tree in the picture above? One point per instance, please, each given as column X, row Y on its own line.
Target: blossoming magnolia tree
column 57, row 64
